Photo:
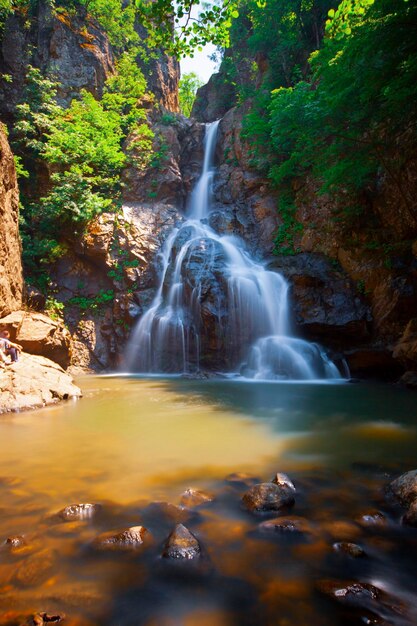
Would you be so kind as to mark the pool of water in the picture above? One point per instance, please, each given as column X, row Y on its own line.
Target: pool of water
column 131, row 442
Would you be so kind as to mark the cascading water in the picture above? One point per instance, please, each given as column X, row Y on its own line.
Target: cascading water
column 216, row 305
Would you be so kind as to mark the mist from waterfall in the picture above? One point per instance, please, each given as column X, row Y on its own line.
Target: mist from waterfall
column 204, row 272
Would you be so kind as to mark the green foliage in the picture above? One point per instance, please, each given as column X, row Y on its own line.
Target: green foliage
column 189, row 83
column 289, row 227
column 184, row 26
column 86, row 303
column 81, row 147
column 54, row 308
column 335, row 125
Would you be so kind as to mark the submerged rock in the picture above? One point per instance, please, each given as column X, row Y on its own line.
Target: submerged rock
column 35, row 570
column 193, row 497
column 286, row 525
column 76, row 512
column 181, row 544
column 129, row 539
column 404, row 488
column 166, row 512
column 242, row 478
column 268, row 497
column 351, row 549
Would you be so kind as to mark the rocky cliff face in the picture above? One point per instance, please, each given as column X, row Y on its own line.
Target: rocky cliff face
column 11, row 280
column 71, row 49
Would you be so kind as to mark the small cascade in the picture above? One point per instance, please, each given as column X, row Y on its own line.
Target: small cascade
column 216, row 306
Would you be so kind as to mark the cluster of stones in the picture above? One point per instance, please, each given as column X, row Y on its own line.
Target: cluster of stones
column 277, row 495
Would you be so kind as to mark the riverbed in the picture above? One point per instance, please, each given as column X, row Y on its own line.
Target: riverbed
column 131, row 442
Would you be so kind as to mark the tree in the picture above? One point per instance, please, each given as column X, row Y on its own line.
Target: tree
column 188, row 86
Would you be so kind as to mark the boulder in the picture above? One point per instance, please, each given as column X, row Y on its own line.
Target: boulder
column 350, row 549
column 404, row 488
column 34, row 382
column 11, row 279
column 192, row 498
column 129, row 539
column 181, row 544
column 76, row 512
column 39, row 334
column 282, row 479
column 268, row 497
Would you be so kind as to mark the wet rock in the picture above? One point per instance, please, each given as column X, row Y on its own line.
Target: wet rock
column 350, row 549
column 284, row 525
column 15, row 541
column 193, row 497
column 35, row 570
column 78, row 512
column 410, row 518
column 129, row 539
column 327, row 305
column 282, row 479
column 44, row 618
column 181, row 544
column 374, row 518
column 404, row 488
column 268, row 497
column 349, row 592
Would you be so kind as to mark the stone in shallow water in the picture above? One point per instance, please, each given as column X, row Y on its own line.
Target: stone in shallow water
column 34, row 570
column 181, row 544
column 373, row 518
column 15, row 541
column 404, row 488
column 351, row 592
column 193, row 497
column 283, row 479
column 128, row 539
column 79, row 512
column 268, row 497
column 351, row 549
column 43, row 618
column 242, row 478
column 286, row 525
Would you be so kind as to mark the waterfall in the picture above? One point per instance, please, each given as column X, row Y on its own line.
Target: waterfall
column 216, row 305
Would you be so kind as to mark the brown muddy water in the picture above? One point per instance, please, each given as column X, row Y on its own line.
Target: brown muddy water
column 131, row 442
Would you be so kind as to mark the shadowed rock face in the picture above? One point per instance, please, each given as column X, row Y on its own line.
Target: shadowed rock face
column 11, row 280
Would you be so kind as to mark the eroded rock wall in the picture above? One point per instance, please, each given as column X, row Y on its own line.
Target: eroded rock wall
column 11, row 280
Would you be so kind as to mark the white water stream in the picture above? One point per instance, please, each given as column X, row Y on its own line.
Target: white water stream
column 251, row 305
